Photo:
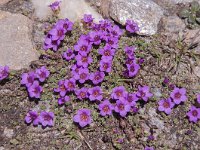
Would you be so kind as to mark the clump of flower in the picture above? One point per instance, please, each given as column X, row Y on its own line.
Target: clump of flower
column 166, row 105
column 178, row 95
column 55, row 6
column 122, row 107
column 4, row 72
column 83, row 117
column 131, row 26
column 57, row 34
column 194, row 114
column 32, row 117
column 106, row 108
column 144, row 93
column 32, row 84
column 119, row 93
column 95, row 93
column 46, row 118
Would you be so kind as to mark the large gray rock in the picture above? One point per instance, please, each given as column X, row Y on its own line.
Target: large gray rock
column 179, row 1
column 16, row 48
column 145, row 12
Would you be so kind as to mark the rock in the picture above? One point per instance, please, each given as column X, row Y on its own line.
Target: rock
column 179, row 1
column 2, row 2
column 8, row 132
column 75, row 9
column 16, row 47
column 71, row 9
column 145, row 12
column 173, row 24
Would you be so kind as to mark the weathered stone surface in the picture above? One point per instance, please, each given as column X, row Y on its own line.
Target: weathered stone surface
column 145, row 12
column 173, row 24
column 16, row 48
column 8, row 132
column 179, row 1
column 2, row 2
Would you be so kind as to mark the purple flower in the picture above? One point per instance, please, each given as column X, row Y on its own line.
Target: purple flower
column 166, row 81
column 133, row 69
column 122, row 107
column 107, row 51
column 119, row 93
column 95, row 93
column 95, row 37
column 70, row 84
column 75, row 71
column 4, row 71
column 131, row 26
column 130, row 51
column 55, row 5
column 63, row 100
column 83, row 61
column 112, row 42
column 32, row 117
column 106, row 108
column 62, row 89
column 97, row 77
column 68, row 55
column 58, row 32
column 67, row 25
column 46, row 118
column 106, row 64
column 130, row 61
column 178, row 95
column 194, row 114
column 82, row 93
column 144, row 93
column 141, row 61
column 198, row 98
column 88, row 18
column 42, row 73
column 83, row 47
column 149, row 148
column 35, row 90
column 166, row 105
column 131, row 99
column 28, row 78
column 83, row 117
column 83, row 75
column 49, row 43
column 115, row 31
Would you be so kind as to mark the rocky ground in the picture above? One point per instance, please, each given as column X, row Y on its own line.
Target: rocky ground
column 174, row 51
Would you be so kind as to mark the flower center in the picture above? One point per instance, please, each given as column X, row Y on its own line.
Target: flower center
column 97, row 77
column 65, row 26
column 84, row 59
column 83, row 48
column 107, row 53
column 96, row 38
column 96, row 93
column 69, row 54
column 110, row 42
column 129, row 98
column 166, row 104
column 30, row 80
column 142, row 94
column 83, row 94
column 119, row 93
column 84, row 117
column 132, row 68
column 121, row 107
column 195, row 113
column 70, row 85
column 43, row 74
column 47, row 117
column 106, row 108
column 36, row 90
column 83, row 75
column 62, row 87
column 105, row 66
column 60, row 32
column 178, row 95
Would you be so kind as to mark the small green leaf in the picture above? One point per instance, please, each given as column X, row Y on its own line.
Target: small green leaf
column 198, row 20
column 184, row 13
column 195, row 6
column 191, row 19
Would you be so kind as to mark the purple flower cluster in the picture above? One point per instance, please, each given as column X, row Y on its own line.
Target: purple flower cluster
column 4, row 72
column 177, row 96
column 194, row 114
column 57, row 34
column 131, row 26
column 131, row 64
column 44, row 118
column 32, row 84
